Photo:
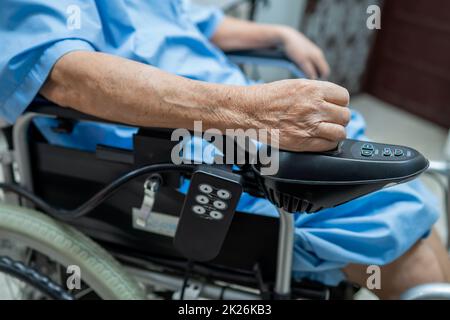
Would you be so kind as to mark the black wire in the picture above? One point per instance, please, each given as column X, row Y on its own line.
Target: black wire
column 222, row 293
column 99, row 197
column 190, row 266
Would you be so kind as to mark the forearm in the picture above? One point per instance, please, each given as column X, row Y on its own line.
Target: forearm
column 128, row 92
column 309, row 115
column 236, row 34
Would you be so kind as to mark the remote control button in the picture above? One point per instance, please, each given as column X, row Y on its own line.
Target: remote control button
column 387, row 152
column 202, row 199
column 220, row 205
column 216, row 215
column 199, row 210
column 205, row 188
column 367, row 153
column 398, row 152
column 224, row 194
column 368, row 146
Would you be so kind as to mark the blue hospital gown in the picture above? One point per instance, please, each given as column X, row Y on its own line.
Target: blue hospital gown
column 173, row 35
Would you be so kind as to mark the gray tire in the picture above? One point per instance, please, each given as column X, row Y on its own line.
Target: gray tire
column 68, row 246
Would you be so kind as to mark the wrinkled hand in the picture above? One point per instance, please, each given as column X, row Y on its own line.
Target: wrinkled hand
column 305, row 54
column 310, row 115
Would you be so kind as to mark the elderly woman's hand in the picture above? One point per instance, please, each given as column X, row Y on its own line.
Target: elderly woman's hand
column 305, row 53
column 310, row 115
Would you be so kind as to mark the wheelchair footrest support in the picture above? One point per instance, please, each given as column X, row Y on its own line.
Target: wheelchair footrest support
column 285, row 252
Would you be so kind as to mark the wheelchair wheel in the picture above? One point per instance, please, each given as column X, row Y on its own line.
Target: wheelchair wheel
column 41, row 236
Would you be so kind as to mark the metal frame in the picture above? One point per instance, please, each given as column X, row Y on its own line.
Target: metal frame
column 442, row 169
column 22, row 152
column 286, row 235
column 267, row 62
column 6, row 165
column 203, row 290
column 433, row 291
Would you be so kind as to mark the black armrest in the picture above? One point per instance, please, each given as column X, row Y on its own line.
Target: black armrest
column 266, row 57
column 274, row 54
column 43, row 106
column 233, row 4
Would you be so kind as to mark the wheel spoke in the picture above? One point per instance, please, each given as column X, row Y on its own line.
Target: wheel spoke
column 29, row 256
column 10, row 286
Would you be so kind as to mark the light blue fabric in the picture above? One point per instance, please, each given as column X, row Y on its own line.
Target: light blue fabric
column 170, row 34
column 173, row 35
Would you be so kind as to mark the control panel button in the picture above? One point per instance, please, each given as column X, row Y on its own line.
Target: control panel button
column 368, row 146
column 224, row 194
column 216, row 215
column 220, row 205
column 398, row 152
column 205, row 188
column 366, row 153
column 202, row 199
column 199, row 210
column 387, row 152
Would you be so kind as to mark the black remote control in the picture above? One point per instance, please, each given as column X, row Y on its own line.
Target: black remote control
column 207, row 213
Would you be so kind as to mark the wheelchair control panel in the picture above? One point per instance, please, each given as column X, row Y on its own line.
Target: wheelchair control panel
column 305, row 182
column 381, row 152
column 207, row 212
column 310, row 182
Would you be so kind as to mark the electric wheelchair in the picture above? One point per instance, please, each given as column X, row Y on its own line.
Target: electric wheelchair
column 124, row 233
